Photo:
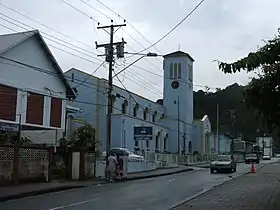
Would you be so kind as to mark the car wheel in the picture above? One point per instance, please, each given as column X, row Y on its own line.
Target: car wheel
column 211, row 171
column 234, row 170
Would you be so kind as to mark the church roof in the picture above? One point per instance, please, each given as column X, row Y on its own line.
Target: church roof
column 179, row 54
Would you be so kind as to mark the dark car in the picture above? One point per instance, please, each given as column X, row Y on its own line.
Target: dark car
column 252, row 158
column 223, row 163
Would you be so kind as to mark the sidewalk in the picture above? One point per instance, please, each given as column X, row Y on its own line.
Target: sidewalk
column 249, row 192
column 32, row 189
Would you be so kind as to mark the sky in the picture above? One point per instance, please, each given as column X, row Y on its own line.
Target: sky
column 222, row 30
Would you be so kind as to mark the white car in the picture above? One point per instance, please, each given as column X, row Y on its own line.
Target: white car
column 266, row 157
column 278, row 155
column 124, row 151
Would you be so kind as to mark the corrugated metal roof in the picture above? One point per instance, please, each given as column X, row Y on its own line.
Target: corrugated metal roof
column 8, row 41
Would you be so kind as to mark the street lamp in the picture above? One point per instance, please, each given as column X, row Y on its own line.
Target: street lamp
column 143, row 56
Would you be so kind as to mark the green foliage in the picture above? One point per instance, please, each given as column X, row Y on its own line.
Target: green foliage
column 267, row 55
column 12, row 138
column 83, row 137
column 262, row 95
column 230, row 98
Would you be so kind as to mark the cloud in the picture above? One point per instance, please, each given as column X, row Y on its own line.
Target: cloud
column 220, row 29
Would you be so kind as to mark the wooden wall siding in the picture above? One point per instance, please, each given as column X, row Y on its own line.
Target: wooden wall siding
column 35, row 109
column 56, row 110
column 8, row 103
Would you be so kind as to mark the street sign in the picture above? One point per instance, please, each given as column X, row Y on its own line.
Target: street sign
column 8, row 127
column 143, row 133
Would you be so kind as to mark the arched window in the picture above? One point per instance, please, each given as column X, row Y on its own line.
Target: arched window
column 154, row 116
column 145, row 114
column 157, row 140
column 190, row 147
column 171, row 70
column 124, row 106
column 179, row 71
column 135, row 110
column 175, row 71
column 165, row 142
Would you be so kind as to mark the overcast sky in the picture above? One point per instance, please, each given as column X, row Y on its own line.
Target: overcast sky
column 220, row 29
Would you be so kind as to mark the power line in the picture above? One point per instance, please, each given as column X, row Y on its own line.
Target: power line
column 145, row 85
column 53, row 37
column 176, row 26
column 93, row 8
column 80, row 11
column 53, row 46
column 127, row 23
column 47, row 38
column 90, row 74
column 40, row 23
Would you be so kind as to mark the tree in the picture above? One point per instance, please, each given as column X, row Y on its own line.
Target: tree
column 83, row 137
column 262, row 95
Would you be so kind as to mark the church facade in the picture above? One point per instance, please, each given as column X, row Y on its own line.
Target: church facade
column 138, row 123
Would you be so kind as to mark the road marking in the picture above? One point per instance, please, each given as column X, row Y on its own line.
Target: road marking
column 171, row 180
column 75, row 204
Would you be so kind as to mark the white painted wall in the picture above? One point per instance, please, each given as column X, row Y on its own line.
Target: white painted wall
column 94, row 110
column 123, row 133
column 29, row 79
column 185, row 96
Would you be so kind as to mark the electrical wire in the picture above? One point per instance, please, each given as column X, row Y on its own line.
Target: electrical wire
column 176, row 26
column 50, row 39
column 89, row 76
column 46, row 26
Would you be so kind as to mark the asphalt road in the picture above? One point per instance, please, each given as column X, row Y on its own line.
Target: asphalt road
column 153, row 194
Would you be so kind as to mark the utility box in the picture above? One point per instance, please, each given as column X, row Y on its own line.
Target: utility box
column 120, row 50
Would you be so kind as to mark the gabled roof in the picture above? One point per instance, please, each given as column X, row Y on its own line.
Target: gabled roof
column 8, row 41
column 179, row 54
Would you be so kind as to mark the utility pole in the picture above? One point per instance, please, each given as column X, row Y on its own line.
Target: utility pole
column 109, row 57
column 232, row 117
column 178, row 122
column 217, row 131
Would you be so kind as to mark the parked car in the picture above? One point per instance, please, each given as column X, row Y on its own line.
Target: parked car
column 124, row 152
column 223, row 163
column 266, row 157
column 278, row 155
column 252, row 158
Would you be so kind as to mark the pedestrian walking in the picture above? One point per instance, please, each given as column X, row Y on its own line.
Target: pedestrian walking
column 111, row 166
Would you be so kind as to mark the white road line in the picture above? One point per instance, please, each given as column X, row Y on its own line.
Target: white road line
column 171, row 180
column 75, row 204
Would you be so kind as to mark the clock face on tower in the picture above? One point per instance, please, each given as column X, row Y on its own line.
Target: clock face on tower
column 175, row 84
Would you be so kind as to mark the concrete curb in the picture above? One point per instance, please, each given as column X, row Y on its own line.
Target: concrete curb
column 64, row 188
column 37, row 192
column 158, row 175
column 217, row 185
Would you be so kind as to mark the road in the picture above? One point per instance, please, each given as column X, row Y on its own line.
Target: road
column 153, row 194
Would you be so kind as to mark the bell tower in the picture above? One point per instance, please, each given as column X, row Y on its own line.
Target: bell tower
column 178, row 99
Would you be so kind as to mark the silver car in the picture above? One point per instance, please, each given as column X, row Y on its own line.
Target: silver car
column 223, row 163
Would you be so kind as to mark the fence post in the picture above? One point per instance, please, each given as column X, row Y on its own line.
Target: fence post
column 16, row 163
column 50, row 164
column 82, row 165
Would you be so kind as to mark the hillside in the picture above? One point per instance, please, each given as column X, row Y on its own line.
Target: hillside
column 230, row 98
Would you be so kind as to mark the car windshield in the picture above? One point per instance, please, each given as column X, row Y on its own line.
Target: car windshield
column 251, row 155
column 128, row 151
column 223, row 158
